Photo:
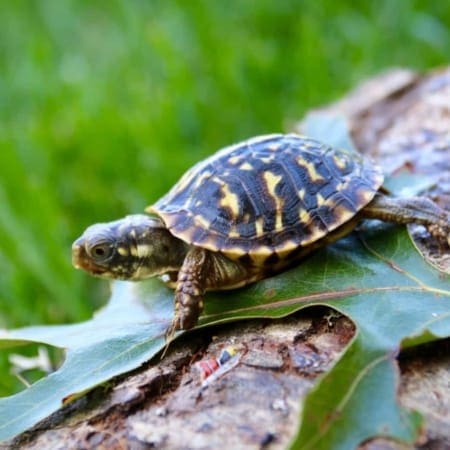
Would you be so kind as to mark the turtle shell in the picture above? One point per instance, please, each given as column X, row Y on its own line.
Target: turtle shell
column 269, row 194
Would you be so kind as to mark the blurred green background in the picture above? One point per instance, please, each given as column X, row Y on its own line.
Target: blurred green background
column 104, row 104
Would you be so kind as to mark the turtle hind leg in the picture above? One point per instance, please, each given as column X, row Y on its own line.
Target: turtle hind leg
column 420, row 210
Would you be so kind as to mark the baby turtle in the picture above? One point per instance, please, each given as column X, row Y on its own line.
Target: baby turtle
column 247, row 212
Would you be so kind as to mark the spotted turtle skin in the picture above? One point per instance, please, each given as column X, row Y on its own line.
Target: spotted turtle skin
column 267, row 196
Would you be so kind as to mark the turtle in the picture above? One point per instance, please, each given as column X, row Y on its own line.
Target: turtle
column 249, row 211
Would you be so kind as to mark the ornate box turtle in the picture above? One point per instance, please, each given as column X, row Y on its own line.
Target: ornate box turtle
column 247, row 212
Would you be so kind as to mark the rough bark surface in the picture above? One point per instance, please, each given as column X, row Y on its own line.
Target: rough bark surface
column 403, row 120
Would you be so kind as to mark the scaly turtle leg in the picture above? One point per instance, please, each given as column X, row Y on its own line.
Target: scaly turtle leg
column 202, row 270
column 190, row 288
column 189, row 292
column 419, row 210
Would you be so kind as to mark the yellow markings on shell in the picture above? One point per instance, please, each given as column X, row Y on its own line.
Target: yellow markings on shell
column 272, row 181
column 285, row 248
column 315, row 235
column 202, row 221
column 310, row 169
column 365, row 196
column 233, row 233
column 301, row 193
column 259, row 223
column 246, row 166
column 229, row 199
column 342, row 214
column 233, row 252
column 151, row 210
column 266, row 159
column 341, row 161
column 273, row 147
column 201, row 178
column 260, row 254
column 320, row 200
column 304, row 216
column 234, row 160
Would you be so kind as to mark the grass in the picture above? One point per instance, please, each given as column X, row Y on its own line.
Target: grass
column 104, row 104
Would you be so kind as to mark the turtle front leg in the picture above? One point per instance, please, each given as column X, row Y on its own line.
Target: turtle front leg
column 191, row 286
column 202, row 270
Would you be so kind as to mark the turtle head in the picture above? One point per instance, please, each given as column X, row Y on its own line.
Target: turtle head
column 133, row 248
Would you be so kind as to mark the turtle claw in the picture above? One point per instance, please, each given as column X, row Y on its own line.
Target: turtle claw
column 181, row 321
column 169, row 335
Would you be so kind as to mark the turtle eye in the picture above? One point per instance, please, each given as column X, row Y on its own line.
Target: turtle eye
column 100, row 251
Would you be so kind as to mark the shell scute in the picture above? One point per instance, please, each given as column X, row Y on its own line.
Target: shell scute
column 268, row 195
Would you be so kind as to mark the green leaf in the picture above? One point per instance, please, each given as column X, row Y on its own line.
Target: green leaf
column 333, row 126
column 374, row 276
column 119, row 338
column 411, row 305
